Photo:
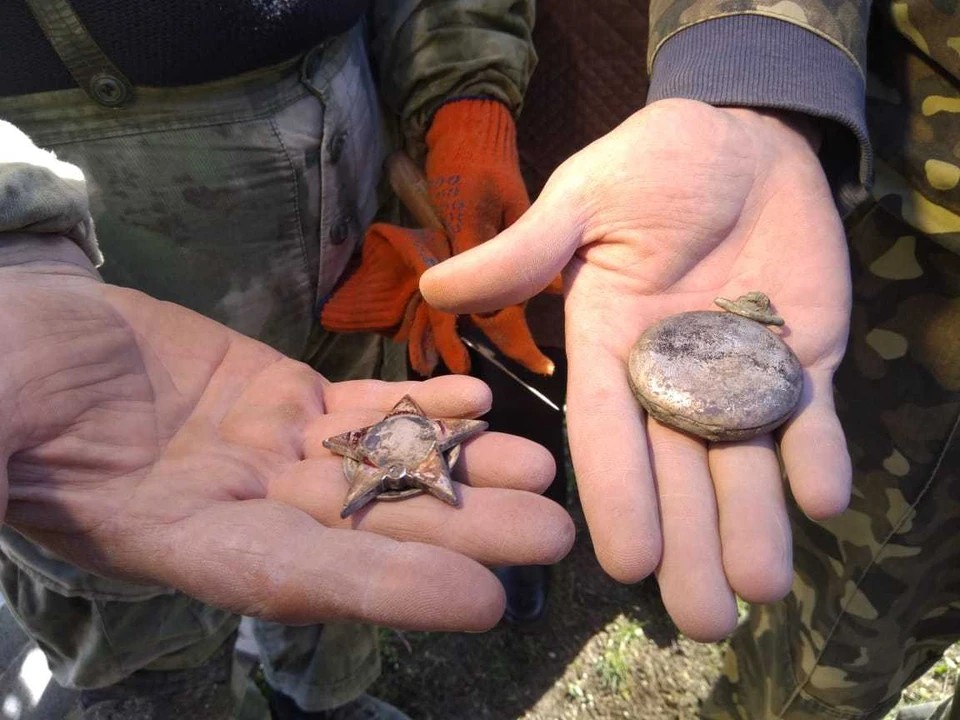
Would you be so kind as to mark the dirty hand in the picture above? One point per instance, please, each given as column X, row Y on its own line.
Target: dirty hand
column 149, row 443
column 680, row 204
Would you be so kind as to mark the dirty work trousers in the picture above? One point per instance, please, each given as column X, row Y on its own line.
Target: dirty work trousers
column 243, row 200
column 876, row 592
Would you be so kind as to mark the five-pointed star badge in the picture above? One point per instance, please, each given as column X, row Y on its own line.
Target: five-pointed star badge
column 403, row 455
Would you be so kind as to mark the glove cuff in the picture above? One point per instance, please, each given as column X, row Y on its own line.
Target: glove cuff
column 484, row 126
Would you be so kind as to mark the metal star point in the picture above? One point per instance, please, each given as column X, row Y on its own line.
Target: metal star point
column 405, row 454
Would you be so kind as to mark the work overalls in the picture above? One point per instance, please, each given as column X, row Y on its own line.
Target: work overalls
column 243, row 199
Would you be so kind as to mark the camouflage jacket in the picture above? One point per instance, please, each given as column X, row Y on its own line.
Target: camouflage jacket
column 430, row 52
column 891, row 76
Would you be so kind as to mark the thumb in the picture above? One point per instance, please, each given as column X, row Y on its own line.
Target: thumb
column 513, row 266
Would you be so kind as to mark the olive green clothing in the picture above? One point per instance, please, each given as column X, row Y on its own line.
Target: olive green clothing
column 841, row 22
column 230, row 199
column 243, row 199
column 876, row 593
column 428, row 52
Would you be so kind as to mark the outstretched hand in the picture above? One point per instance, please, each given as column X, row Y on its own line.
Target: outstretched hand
column 149, row 443
column 680, row 204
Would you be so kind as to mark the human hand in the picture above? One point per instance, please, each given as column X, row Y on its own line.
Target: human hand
column 149, row 443
column 682, row 203
column 381, row 294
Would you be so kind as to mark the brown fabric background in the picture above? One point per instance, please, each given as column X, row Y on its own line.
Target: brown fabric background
column 591, row 76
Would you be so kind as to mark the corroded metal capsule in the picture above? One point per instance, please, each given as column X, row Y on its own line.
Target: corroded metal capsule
column 717, row 375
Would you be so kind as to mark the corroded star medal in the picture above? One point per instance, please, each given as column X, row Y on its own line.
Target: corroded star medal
column 403, row 455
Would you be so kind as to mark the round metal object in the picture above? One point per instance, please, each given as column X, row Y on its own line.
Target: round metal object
column 716, row 375
column 109, row 90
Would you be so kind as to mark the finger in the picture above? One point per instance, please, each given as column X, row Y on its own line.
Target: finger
column 493, row 525
column 422, row 346
column 448, row 396
column 495, row 459
column 609, row 451
column 512, row 267
column 265, row 559
column 815, row 451
column 692, row 583
column 754, row 528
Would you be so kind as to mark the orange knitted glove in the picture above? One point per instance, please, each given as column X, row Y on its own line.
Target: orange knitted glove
column 382, row 295
column 473, row 170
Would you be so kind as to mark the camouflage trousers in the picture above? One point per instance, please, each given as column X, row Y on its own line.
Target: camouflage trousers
column 243, row 200
column 876, row 593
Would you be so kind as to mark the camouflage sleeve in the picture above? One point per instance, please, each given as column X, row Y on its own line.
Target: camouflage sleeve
column 801, row 56
column 843, row 23
column 429, row 51
column 40, row 194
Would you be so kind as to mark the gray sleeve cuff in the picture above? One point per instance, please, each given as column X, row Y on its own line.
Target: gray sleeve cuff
column 40, row 194
column 756, row 61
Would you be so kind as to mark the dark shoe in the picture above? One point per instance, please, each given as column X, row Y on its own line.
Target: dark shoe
column 526, row 588
column 364, row 707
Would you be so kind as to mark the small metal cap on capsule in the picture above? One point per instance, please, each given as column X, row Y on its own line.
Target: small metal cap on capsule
column 717, row 375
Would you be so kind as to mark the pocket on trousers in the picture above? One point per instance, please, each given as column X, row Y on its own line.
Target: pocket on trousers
column 209, row 217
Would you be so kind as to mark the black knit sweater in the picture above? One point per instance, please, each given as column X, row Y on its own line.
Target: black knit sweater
column 168, row 43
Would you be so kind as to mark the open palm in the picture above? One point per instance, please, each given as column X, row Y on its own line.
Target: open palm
column 681, row 204
column 152, row 444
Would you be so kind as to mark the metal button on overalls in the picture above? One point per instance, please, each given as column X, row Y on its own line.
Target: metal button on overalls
column 109, row 90
column 335, row 147
column 340, row 231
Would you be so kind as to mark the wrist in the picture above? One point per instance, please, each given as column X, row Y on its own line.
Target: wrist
column 784, row 123
column 44, row 258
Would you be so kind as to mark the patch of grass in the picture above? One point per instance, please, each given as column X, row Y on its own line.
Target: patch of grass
column 935, row 685
column 615, row 664
column 743, row 609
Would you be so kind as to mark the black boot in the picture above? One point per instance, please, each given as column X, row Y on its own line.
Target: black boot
column 526, row 587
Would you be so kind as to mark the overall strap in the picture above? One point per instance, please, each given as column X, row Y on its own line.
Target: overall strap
column 90, row 67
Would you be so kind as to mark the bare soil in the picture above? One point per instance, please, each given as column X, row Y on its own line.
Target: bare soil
column 603, row 651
